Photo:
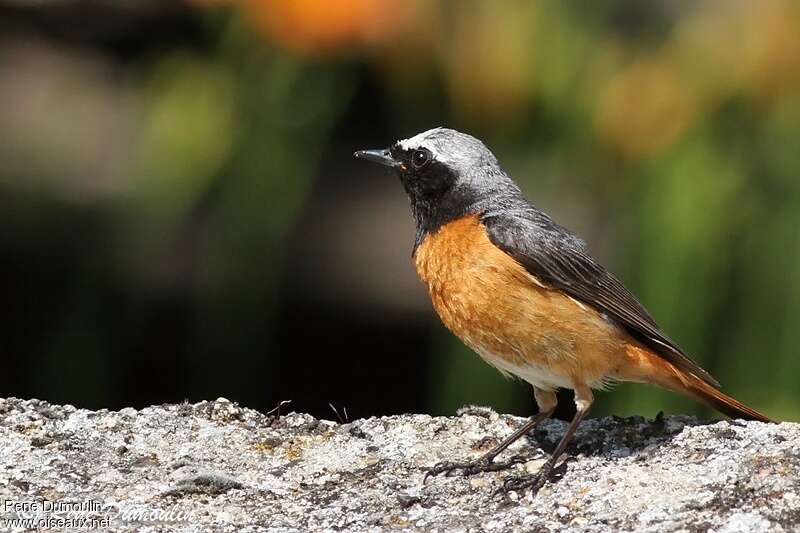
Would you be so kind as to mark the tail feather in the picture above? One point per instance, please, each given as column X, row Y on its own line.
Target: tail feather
column 720, row 401
column 649, row 367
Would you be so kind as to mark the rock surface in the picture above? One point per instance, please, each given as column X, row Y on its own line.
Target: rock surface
column 215, row 466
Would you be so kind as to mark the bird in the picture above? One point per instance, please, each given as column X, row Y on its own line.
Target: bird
column 526, row 295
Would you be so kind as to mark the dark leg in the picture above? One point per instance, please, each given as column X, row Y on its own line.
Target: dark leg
column 583, row 400
column 547, row 404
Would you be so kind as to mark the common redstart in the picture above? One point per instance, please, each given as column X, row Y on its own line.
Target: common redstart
column 525, row 294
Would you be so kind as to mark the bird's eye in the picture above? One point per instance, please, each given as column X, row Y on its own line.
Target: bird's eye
column 421, row 157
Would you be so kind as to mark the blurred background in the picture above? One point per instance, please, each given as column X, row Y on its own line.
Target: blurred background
column 181, row 216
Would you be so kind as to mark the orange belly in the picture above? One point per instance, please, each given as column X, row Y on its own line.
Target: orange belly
column 511, row 319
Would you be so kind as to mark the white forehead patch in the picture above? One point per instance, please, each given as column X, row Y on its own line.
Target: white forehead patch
column 457, row 150
column 416, row 141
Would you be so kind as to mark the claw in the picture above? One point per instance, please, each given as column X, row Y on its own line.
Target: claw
column 449, row 468
column 471, row 468
column 533, row 482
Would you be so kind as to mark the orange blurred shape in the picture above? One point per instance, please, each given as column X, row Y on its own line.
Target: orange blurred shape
column 772, row 48
column 644, row 108
column 321, row 26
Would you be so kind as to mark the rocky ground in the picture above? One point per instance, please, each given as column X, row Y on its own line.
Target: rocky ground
column 216, row 466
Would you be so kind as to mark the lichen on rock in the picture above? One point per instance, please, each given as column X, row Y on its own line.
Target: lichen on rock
column 218, row 466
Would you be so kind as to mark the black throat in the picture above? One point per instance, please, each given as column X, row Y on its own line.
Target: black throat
column 430, row 214
column 434, row 208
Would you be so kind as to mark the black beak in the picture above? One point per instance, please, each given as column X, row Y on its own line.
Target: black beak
column 382, row 157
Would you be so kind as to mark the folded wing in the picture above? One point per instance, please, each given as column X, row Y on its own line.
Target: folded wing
column 560, row 260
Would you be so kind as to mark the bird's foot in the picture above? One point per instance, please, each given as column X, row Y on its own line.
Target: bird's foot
column 470, row 468
column 532, row 482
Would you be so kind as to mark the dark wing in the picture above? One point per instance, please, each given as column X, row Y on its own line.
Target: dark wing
column 560, row 260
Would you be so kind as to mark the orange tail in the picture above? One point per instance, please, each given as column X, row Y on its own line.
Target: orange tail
column 654, row 369
column 720, row 401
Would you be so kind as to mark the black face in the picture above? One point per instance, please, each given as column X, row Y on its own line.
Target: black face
column 424, row 178
column 447, row 175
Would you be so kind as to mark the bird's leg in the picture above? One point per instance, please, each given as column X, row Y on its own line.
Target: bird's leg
column 583, row 401
column 546, row 400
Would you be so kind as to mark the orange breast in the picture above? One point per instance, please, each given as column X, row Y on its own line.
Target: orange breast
column 510, row 318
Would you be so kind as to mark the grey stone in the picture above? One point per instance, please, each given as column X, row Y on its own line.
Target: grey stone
column 216, row 466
